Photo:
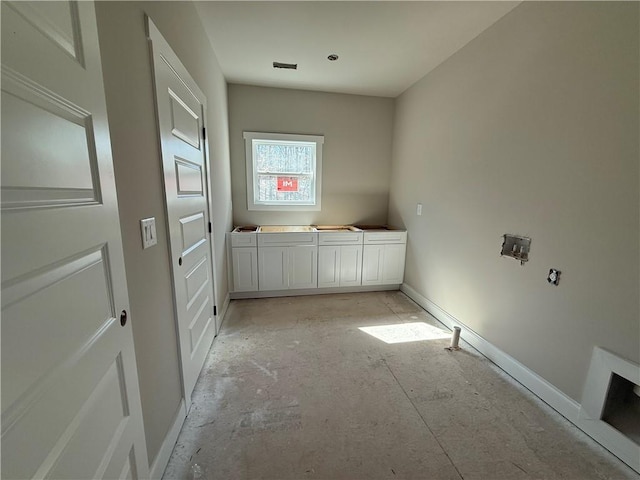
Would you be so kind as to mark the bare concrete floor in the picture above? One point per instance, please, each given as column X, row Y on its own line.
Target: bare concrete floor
column 292, row 389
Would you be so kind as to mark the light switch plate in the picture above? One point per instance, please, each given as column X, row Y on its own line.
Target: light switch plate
column 148, row 230
column 419, row 209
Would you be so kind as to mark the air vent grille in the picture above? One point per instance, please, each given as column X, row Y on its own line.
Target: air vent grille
column 289, row 66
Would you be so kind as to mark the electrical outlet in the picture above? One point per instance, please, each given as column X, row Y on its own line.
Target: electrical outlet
column 419, row 209
column 148, row 231
column 554, row 276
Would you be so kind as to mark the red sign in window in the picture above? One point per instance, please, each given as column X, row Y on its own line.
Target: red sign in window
column 287, row 184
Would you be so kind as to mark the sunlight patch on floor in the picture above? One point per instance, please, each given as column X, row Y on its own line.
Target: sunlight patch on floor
column 406, row 332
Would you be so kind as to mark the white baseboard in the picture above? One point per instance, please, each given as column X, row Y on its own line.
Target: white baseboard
column 549, row 394
column 619, row 445
column 163, row 455
column 313, row 291
column 222, row 312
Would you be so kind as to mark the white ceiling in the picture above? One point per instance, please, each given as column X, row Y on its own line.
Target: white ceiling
column 384, row 47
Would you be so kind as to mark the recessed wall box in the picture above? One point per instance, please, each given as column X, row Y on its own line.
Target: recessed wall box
column 515, row 246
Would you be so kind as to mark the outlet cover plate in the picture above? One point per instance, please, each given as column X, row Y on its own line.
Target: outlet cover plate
column 148, row 231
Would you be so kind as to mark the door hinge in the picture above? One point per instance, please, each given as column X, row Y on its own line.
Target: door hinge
column 204, row 133
column 210, row 228
column 215, row 310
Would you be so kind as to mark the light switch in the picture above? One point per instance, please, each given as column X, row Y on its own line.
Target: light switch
column 148, row 230
column 419, row 209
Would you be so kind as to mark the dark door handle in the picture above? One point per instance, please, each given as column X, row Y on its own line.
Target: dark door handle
column 123, row 318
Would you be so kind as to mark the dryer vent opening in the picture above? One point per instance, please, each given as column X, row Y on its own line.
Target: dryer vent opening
column 622, row 407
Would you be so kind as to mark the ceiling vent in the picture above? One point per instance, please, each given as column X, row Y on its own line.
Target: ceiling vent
column 288, row 66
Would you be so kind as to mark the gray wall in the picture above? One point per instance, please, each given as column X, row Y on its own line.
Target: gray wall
column 532, row 129
column 356, row 153
column 131, row 109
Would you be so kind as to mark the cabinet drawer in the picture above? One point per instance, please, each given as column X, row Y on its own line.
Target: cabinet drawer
column 340, row 238
column 385, row 237
column 287, row 239
column 243, row 240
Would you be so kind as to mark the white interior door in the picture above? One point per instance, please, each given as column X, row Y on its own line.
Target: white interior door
column 70, row 398
column 180, row 109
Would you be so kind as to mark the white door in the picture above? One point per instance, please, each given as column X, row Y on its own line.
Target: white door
column 303, row 266
column 372, row 263
column 328, row 266
column 181, row 109
column 245, row 269
column 350, row 265
column 273, row 268
column 70, row 398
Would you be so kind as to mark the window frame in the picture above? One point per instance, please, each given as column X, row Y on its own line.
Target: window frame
column 249, row 137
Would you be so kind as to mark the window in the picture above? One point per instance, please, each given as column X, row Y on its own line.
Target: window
column 283, row 171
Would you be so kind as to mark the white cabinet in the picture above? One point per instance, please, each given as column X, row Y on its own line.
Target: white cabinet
column 372, row 262
column 245, row 269
column 393, row 263
column 339, row 266
column 350, row 265
column 328, row 266
column 273, row 268
column 339, row 259
column 244, row 261
column 287, row 261
column 303, row 267
column 383, row 258
column 280, row 261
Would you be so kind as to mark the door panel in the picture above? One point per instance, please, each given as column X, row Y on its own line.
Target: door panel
column 372, row 261
column 350, row 265
column 58, row 21
column 70, row 399
column 197, row 281
column 27, row 301
column 303, row 267
column 273, row 268
column 245, row 269
column 54, row 140
column 188, row 178
column 328, row 266
column 185, row 123
column 192, row 232
column 393, row 269
column 180, row 112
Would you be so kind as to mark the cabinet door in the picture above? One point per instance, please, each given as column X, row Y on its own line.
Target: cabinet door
column 350, row 265
column 273, row 268
column 328, row 267
column 372, row 262
column 245, row 269
column 393, row 264
column 303, row 267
